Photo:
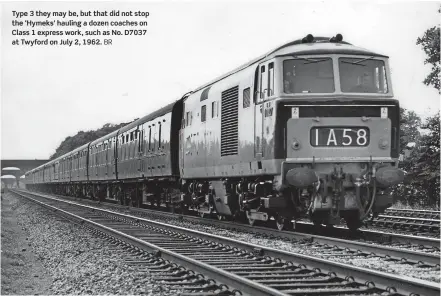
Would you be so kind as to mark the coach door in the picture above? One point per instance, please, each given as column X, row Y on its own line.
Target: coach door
column 116, row 154
column 140, row 154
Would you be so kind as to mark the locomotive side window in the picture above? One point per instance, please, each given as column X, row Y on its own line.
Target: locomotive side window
column 187, row 119
column 308, row 75
column 246, row 97
column 270, row 79
column 203, row 113
column 213, row 105
column 204, row 94
column 214, row 109
column 362, row 75
column 262, row 80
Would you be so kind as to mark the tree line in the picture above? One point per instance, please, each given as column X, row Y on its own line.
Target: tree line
column 81, row 138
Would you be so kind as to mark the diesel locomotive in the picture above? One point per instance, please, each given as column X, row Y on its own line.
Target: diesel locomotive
column 310, row 129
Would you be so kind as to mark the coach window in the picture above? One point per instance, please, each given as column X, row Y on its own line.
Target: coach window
column 150, row 137
column 246, row 97
column 159, row 140
column 140, row 142
column 131, row 136
column 203, row 113
column 127, row 138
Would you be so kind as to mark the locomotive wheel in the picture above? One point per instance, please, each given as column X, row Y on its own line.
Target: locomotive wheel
column 280, row 223
column 201, row 214
column 251, row 221
column 283, row 223
column 220, row 217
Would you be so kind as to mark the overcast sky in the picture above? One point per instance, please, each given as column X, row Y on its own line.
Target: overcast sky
column 49, row 93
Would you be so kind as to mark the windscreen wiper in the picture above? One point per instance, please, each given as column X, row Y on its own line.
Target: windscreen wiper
column 358, row 62
column 311, row 61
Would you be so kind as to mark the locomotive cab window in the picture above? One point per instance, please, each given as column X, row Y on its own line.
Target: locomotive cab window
column 203, row 113
column 270, row 79
column 262, row 81
column 308, row 75
column 362, row 75
column 246, row 98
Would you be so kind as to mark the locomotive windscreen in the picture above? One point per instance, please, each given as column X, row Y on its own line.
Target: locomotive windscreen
column 362, row 75
column 308, row 75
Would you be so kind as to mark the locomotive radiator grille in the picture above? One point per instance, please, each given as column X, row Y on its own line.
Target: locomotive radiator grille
column 229, row 121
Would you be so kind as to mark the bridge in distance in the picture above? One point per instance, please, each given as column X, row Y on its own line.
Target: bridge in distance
column 23, row 164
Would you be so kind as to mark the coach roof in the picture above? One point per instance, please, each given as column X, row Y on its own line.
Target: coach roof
column 103, row 138
column 153, row 115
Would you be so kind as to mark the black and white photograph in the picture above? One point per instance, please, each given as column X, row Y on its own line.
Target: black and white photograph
column 220, row 147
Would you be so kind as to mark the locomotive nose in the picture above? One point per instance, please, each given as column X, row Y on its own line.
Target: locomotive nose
column 301, row 177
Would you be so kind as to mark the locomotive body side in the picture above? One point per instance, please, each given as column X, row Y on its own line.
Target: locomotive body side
column 216, row 137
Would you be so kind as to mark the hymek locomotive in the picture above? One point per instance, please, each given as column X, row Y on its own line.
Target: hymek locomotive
column 309, row 129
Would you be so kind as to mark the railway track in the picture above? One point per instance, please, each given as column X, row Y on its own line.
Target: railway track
column 261, row 271
column 413, row 213
column 407, row 223
column 359, row 241
column 305, row 230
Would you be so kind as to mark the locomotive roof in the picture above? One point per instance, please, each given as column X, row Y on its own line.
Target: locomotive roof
column 321, row 45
